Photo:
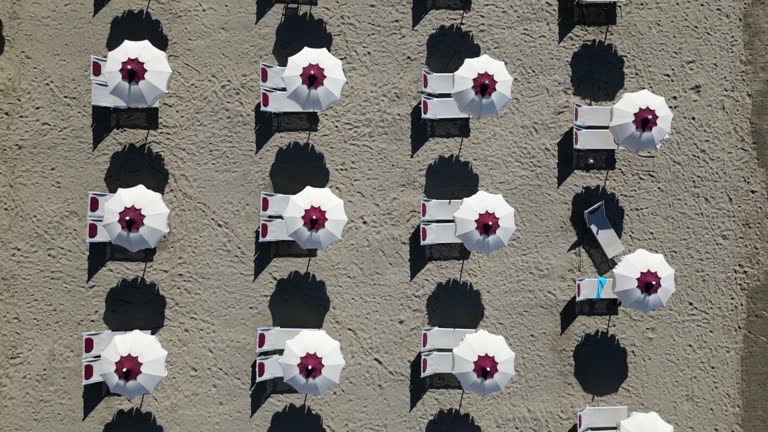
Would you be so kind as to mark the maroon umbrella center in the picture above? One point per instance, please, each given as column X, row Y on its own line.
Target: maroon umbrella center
column 131, row 219
column 314, row 218
column 310, row 366
column 133, row 71
column 313, row 76
column 487, row 223
column 128, row 368
column 649, row 282
column 486, row 367
column 645, row 119
column 484, row 85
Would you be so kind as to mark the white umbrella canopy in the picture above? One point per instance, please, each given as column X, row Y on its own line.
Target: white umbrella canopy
column 133, row 364
column 314, row 79
column 483, row 363
column 315, row 218
column 312, row 362
column 644, row 280
column 484, row 222
column 138, row 73
column 645, row 422
column 482, row 86
column 640, row 120
column 136, row 218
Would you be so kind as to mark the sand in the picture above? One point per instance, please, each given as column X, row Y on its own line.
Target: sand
column 700, row 201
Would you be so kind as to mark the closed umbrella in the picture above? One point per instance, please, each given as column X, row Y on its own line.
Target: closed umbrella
column 133, row 364
column 483, row 363
column 314, row 79
column 484, row 222
column 312, row 362
column 482, row 86
column 136, row 218
column 645, row 422
column 315, row 218
column 137, row 73
column 640, row 120
column 644, row 280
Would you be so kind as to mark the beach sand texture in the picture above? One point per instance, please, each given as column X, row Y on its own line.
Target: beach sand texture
column 701, row 201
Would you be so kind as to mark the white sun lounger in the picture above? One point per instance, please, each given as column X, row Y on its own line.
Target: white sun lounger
column 268, row 367
column 90, row 373
column 271, row 76
column 273, row 230
column 433, row 108
column 434, row 362
column 439, row 210
column 593, row 139
column 273, row 205
column 594, row 289
column 438, row 233
column 436, row 83
column 277, row 101
column 95, row 232
column 434, row 338
column 598, row 223
column 437, row 225
column 274, row 338
column 587, row 116
column 600, row 418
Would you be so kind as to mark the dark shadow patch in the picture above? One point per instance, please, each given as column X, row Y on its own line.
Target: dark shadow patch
column 455, row 304
column 98, row 5
column 452, row 421
column 597, row 72
column 566, row 18
column 267, row 124
column 595, row 15
column 296, row 418
column 2, row 38
column 99, row 254
column 568, row 314
column 261, row 391
column 418, row 386
column 424, row 129
column 297, row 166
column 264, row 128
column 134, row 305
column 448, row 177
column 419, row 129
column 262, row 8
column 93, row 394
column 262, row 255
column 133, row 420
column 600, row 363
column 417, row 257
column 136, row 26
column 265, row 252
column 421, row 8
column 589, row 160
column 588, row 197
column 297, row 32
column 448, row 47
column 299, row 301
column 574, row 428
column 573, row 309
column 105, row 119
column 565, row 157
column 134, row 165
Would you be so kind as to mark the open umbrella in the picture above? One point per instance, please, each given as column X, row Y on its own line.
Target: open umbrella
column 314, row 79
column 312, row 362
column 482, row 86
column 483, row 363
column 136, row 218
column 640, row 120
column 315, row 218
column 484, row 222
column 643, row 280
column 133, row 364
column 645, row 422
column 138, row 73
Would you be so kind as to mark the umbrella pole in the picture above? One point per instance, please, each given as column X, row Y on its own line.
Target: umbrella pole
column 305, row 402
column 461, row 144
column 141, row 403
column 461, row 271
column 309, row 260
column 146, row 11
column 461, row 399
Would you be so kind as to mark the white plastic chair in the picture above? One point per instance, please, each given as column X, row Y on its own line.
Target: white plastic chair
column 268, row 367
column 273, row 230
column 438, row 233
column 95, row 214
column 591, row 289
column 586, row 116
column 593, row 139
column 598, row 223
column 433, row 108
column 434, row 362
column 277, row 101
column 434, row 338
column 90, row 372
column 274, row 338
column 271, row 76
column 600, row 418
column 273, row 205
column 439, row 210
column 436, row 83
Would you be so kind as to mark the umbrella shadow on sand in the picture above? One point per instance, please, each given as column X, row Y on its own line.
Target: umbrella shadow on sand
column 588, row 197
column 134, row 304
column 136, row 26
column 421, row 8
column 296, row 418
column 452, row 304
column 600, row 363
column 2, row 39
column 98, row 5
column 267, row 124
column 298, row 31
column 452, row 421
column 597, row 72
column 132, row 165
column 447, row 178
column 289, row 7
column 133, row 420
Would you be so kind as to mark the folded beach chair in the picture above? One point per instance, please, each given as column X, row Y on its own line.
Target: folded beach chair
column 587, row 116
column 440, row 338
column 600, row 418
column 598, row 223
column 95, row 215
column 433, row 108
column 276, row 101
column 272, row 225
column 274, row 338
column 436, row 83
column 272, row 76
column 594, row 289
column 437, row 226
column 593, row 139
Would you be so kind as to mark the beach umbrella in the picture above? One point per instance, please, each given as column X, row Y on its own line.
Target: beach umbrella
column 484, row 222
column 133, row 364
column 137, row 73
column 312, row 362
column 315, row 218
column 136, row 218
column 643, row 280
column 645, row 422
column 314, row 79
column 640, row 120
column 482, row 86
column 483, row 363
